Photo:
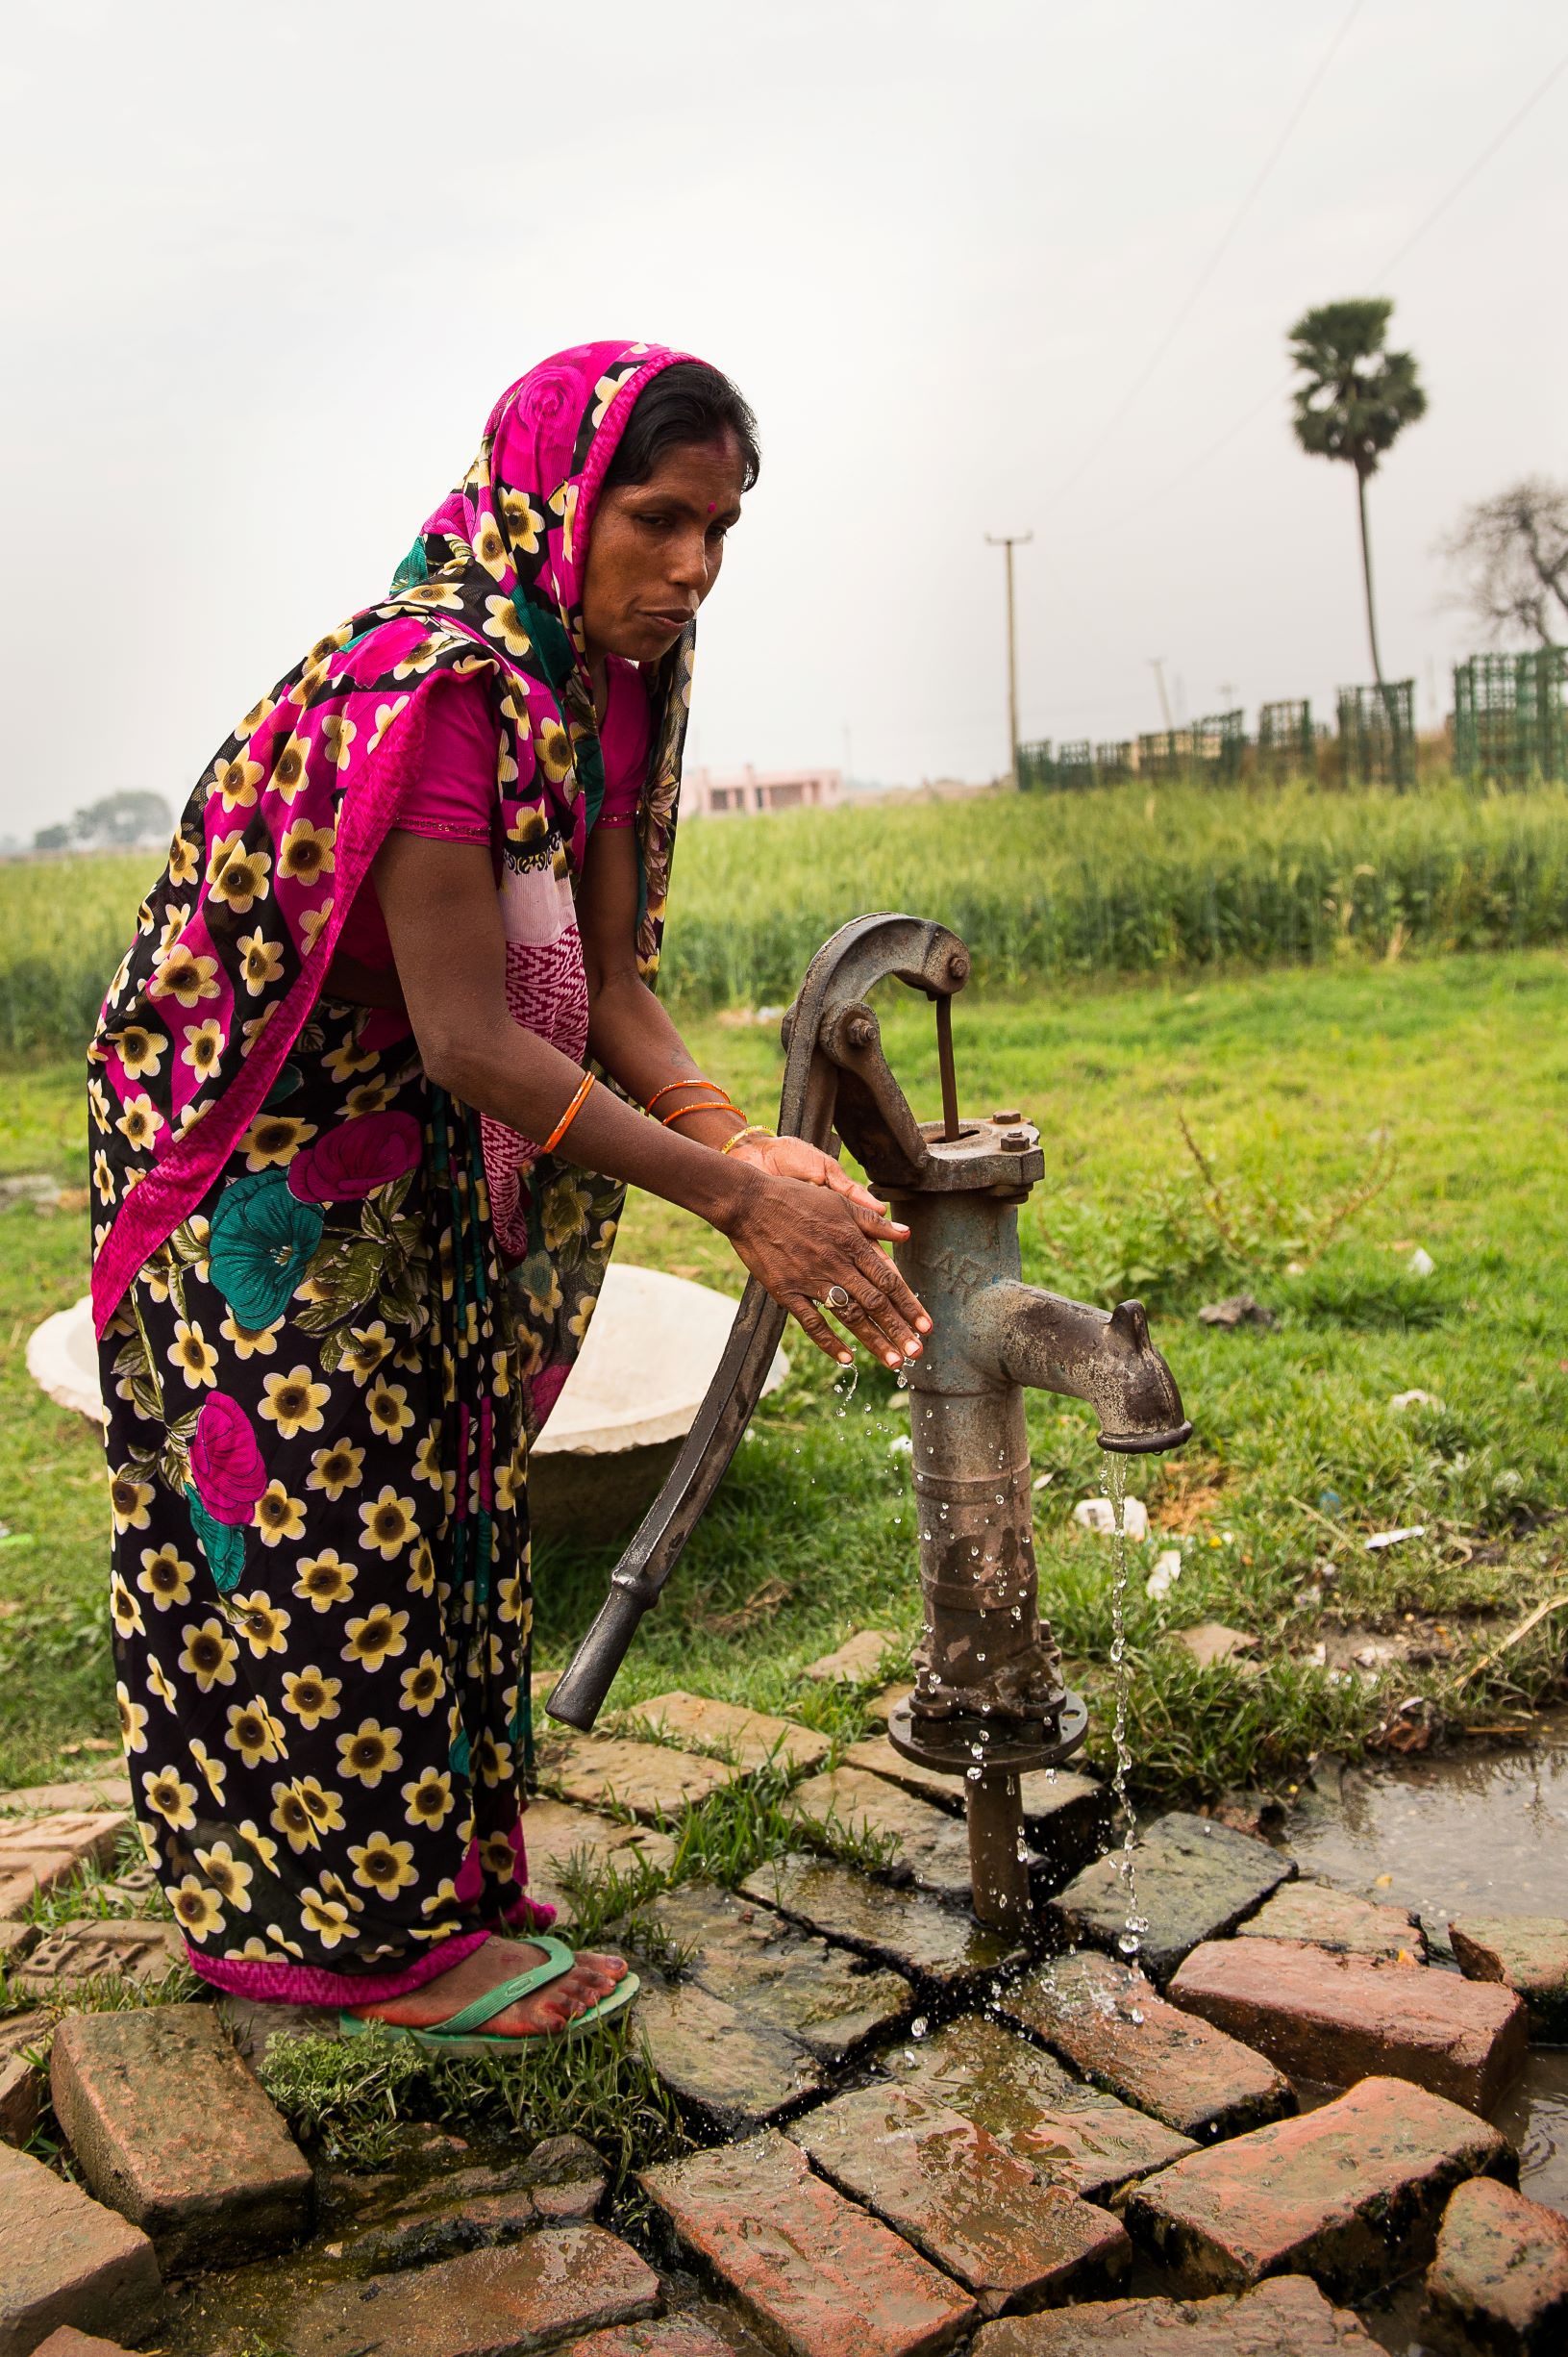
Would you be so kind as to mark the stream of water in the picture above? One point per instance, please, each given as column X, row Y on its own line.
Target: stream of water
column 1130, row 1939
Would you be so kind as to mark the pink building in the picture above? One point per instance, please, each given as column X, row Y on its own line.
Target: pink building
column 719, row 793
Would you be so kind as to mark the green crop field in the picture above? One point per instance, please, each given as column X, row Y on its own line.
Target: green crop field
column 1344, row 1116
column 1118, row 880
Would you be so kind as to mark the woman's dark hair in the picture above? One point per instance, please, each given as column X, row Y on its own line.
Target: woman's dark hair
column 686, row 402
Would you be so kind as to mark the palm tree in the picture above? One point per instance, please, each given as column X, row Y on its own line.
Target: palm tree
column 1354, row 399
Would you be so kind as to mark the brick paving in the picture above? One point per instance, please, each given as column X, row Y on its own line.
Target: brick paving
column 1499, row 2278
column 935, row 2127
column 1350, row 2195
column 169, row 2127
column 1338, row 2018
column 1105, row 2020
column 1526, row 1952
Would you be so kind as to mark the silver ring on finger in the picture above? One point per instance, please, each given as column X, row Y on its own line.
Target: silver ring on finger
column 836, row 1297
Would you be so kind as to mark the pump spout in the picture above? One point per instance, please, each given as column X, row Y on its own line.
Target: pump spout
column 1022, row 1334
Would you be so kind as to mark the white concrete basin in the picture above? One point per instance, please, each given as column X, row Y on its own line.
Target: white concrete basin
column 617, row 1426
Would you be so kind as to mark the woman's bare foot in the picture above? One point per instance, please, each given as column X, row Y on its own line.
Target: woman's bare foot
column 550, row 2008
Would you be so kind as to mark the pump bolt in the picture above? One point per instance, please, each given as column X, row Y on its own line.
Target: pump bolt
column 1002, row 1120
column 957, row 965
column 1015, row 1141
column 862, row 1031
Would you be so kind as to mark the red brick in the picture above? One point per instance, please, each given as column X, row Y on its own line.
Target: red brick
column 1526, row 1952
column 68, row 2342
column 652, row 1780
column 959, row 2197
column 1499, row 2280
column 1350, row 2195
column 1105, row 2019
column 734, row 2071
column 1069, row 2134
column 750, row 1956
column 554, row 2283
column 15, row 1939
column 1286, row 2319
column 1337, row 1919
column 66, row 2260
column 906, row 1928
column 1196, row 1880
column 858, row 1658
column 816, row 2275
column 929, row 1843
column 170, row 2128
column 106, row 1792
column 94, row 1948
column 21, row 2098
column 1339, row 2019
column 688, row 2335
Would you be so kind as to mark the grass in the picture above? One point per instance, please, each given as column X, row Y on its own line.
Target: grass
column 1117, row 879
column 1296, row 1088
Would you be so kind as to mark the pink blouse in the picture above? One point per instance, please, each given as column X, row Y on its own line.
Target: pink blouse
column 453, row 798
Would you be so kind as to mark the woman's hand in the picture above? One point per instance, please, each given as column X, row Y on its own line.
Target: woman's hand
column 801, row 1237
column 792, row 1158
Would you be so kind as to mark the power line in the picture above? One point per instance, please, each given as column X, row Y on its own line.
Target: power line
column 1214, row 260
column 1482, row 161
column 1281, row 392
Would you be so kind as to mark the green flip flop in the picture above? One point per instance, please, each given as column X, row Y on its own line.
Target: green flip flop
column 459, row 2035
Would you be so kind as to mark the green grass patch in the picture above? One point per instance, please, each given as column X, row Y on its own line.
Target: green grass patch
column 1342, row 1116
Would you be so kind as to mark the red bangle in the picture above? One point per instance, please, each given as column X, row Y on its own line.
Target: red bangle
column 569, row 1115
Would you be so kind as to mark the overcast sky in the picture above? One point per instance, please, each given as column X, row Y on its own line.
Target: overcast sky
column 267, row 264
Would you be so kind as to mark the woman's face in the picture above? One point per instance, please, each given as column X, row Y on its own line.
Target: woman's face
column 656, row 549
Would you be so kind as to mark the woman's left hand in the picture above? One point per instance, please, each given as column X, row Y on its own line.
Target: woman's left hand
column 792, row 1158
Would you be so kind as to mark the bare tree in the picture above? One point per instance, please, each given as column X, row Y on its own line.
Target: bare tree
column 1512, row 552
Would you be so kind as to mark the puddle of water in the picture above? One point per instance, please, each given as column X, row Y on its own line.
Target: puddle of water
column 1475, row 1833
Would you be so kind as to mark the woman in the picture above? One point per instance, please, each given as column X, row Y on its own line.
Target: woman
column 358, row 1188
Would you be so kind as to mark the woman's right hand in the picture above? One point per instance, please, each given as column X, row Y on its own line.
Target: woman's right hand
column 799, row 1241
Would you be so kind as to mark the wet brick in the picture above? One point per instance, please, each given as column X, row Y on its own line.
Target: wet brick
column 1070, row 2135
column 1525, row 1952
column 21, row 2098
column 929, row 1843
column 651, row 1780
column 1170, row 2063
column 961, row 2197
column 68, row 2342
column 905, row 1928
column 750, row 1739
column 1350, row 2195
column 686, row 2335
column 1499, row 2280
column 735, row 2072
column 170, row 2128
column 561, row 2281
column 1339, row 2019
column 1196, row 1880
column 770, row 1972
column 66, row 2260
column 1338, row 1920
column 1286, row 2319
column 817, row 2275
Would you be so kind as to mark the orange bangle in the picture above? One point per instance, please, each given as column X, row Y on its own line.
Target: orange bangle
column 670, row 1087
column 721, row 1106
column 569, row 1115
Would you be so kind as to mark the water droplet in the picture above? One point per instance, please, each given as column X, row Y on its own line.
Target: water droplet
column 919, row 2027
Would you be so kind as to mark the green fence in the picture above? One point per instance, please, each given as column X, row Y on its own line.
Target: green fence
column 1286, row 746
column 1509, row 723
column 1376, row 735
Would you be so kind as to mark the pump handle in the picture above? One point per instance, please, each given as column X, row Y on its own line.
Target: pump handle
column 832, row 1045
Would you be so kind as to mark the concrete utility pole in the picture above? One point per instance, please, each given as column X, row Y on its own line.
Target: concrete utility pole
column 1157, row 665
column 1009, row 540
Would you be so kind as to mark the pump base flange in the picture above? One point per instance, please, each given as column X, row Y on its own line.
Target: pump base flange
column 948, row 1745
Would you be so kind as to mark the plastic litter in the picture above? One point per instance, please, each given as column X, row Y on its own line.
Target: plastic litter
column 1098, row 1514
column 1421, row 1263
column 1381, row 1538
column 1166, row 1573
column 1415, row 1400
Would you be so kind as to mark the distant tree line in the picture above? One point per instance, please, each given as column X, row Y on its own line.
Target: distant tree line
column 117, row 822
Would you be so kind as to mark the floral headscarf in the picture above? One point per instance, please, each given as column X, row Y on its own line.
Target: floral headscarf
column 233, row 942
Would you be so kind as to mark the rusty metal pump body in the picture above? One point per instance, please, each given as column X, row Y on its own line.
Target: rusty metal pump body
column 990, row 1703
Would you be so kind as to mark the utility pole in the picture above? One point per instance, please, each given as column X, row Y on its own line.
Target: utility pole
column 1157, row 665
column 1009, row 540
